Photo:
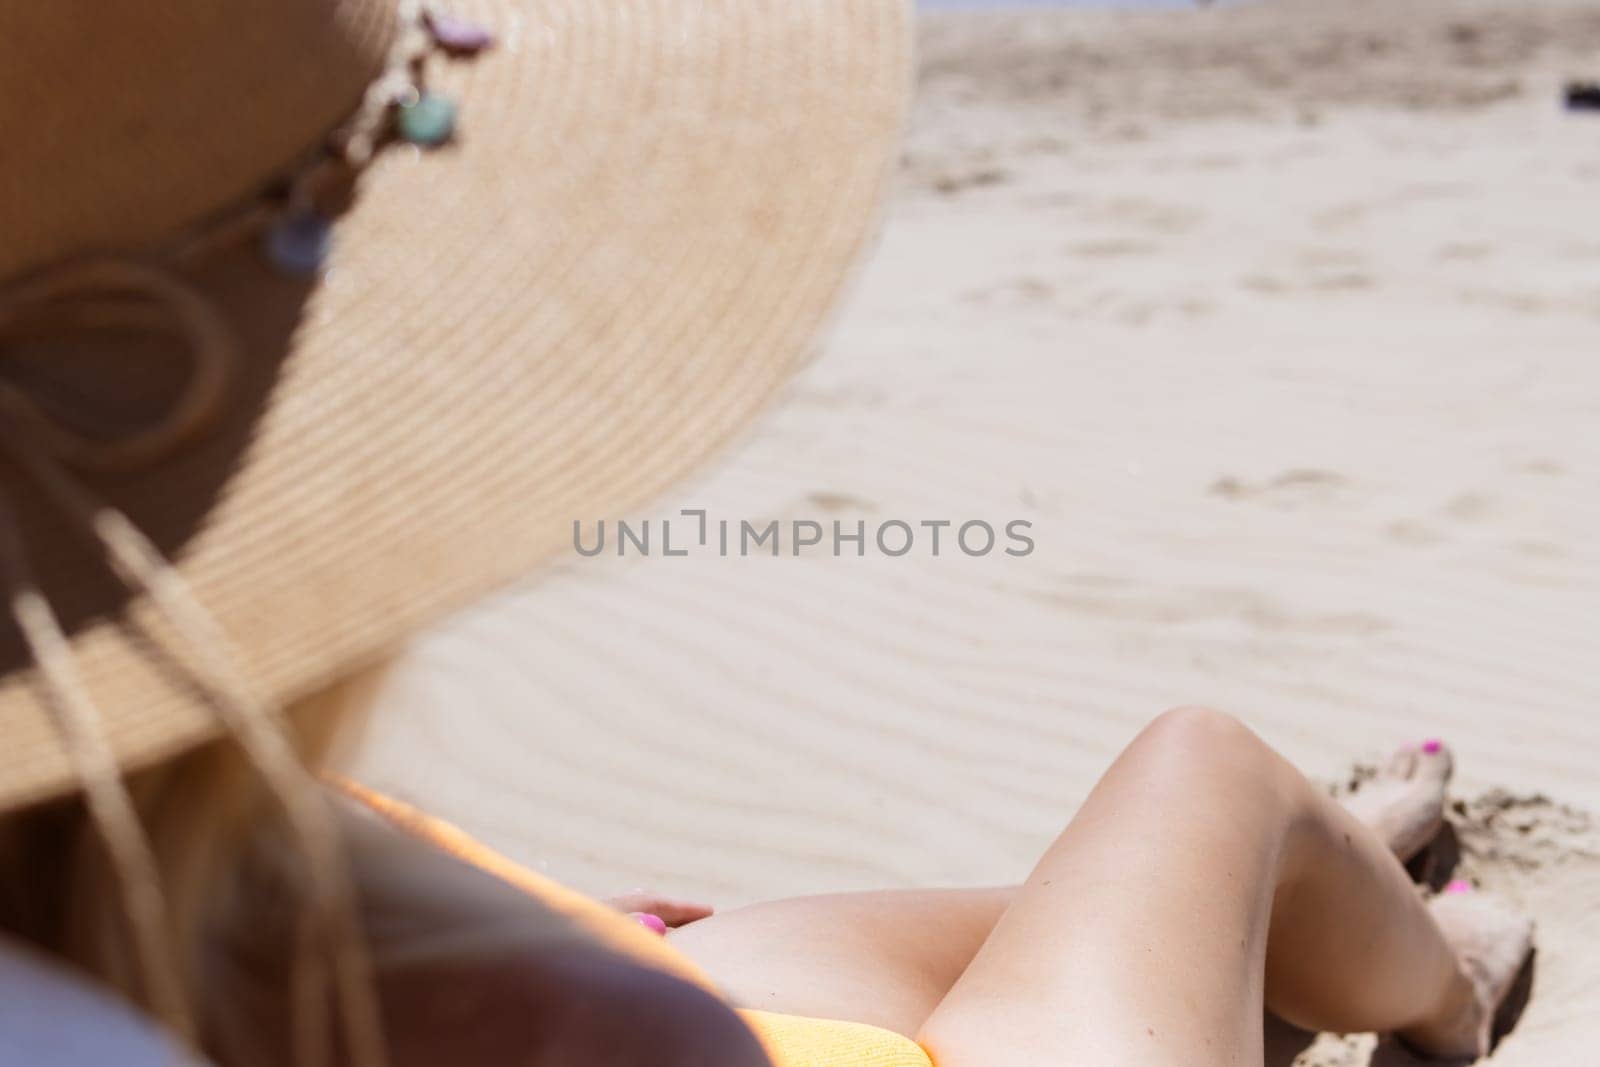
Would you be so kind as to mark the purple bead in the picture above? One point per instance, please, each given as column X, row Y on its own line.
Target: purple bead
column 458, row 36
column 298, row 244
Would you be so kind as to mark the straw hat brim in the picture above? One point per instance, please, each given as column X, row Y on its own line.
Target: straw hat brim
column 648, row 211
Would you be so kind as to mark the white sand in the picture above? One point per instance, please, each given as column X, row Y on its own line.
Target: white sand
column 1281, row 324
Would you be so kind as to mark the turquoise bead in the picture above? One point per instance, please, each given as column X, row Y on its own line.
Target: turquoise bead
column 430, row 119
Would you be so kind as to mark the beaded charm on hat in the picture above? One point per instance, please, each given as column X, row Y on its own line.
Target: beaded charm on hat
column 456, row 35
column 427, row 120
column 297, row 242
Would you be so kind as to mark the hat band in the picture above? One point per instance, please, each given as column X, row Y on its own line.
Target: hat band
column 119, row 294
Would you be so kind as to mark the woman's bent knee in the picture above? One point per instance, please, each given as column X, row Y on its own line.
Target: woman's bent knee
column 1205, row 748
column 1195, row 731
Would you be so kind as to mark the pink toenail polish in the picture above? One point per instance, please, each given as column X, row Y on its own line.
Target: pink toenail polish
column 1460, row 885
column 1432, row 745
column 650, row 922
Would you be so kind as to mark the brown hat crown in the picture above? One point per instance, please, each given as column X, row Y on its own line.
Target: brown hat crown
column 127, row 122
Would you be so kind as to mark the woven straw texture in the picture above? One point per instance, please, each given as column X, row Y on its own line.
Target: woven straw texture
column 649, row 209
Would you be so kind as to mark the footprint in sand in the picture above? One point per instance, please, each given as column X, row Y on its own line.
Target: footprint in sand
column 829, row 501
column 1159, row 215
column 1465, row 252
column 1470, row 507
column 1291, row 488
column 1413, row 534
column 1015, row 292
column 954, row 184
column 1112, row 249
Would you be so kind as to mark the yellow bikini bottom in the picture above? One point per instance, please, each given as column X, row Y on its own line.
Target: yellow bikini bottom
column 789, row 1040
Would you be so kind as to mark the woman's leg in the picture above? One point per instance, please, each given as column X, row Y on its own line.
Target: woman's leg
column 889, row 958
column 1203, row 876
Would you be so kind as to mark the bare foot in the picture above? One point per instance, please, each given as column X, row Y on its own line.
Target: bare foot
column 1492, row 942
column 1405, row 802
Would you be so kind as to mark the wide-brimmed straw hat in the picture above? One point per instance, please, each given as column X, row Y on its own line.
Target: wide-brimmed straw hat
column 352, row 309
